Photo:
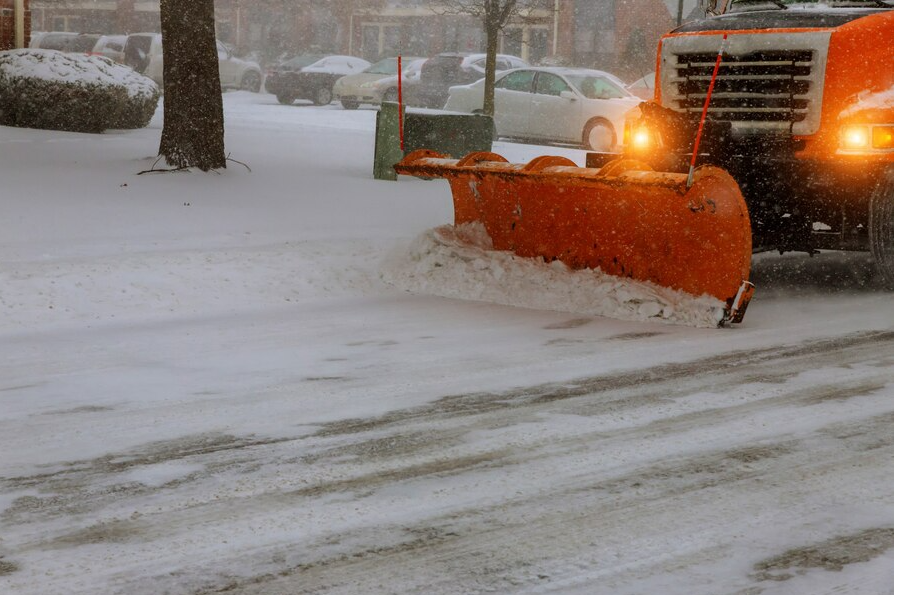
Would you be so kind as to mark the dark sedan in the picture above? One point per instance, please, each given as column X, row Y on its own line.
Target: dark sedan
column 310, row 76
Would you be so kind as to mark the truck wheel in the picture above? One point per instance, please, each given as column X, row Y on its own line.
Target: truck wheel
column 285, row 98
column 882, row 229
column 348, row 104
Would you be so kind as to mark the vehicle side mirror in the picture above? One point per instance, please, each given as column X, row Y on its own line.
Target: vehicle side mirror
column 568, row 95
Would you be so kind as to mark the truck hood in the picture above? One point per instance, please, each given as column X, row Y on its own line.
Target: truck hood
column 804, row 18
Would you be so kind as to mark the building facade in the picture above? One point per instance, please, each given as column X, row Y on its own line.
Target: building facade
column 616, row 35
column 15, row 24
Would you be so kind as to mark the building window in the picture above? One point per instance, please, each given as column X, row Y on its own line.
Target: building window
column 67, row 23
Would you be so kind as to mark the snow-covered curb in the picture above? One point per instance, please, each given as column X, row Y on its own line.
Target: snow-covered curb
column 459, row 262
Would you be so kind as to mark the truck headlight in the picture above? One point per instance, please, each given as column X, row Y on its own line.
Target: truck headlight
column 638, row 135
column 855, row 138
column 640, row 138
column 867, row 138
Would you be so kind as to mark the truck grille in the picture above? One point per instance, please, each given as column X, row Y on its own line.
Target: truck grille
column 767, row 86
column 758, row 88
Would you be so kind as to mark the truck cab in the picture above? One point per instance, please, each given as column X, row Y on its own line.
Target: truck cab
column 800, row 113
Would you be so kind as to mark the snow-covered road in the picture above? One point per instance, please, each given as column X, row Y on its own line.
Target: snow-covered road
column 207, row 386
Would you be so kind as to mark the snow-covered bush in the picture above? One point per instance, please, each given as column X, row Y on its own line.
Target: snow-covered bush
column 76, row 92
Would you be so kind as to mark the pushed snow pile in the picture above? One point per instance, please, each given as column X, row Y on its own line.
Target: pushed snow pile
column 459, row 262
column 76, row 92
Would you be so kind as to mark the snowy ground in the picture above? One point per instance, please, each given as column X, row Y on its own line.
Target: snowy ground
column 216, row 383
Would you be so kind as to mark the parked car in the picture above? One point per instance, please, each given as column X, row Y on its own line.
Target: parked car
column 644, row 86
column 355, row 89
column 144, row 53
column 446, row 70
column 387, row 89
column 554, row 104
column 64, row 41
column 311, row 77
column 111, row 46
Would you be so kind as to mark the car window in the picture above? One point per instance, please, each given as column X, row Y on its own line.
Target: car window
column 83, row 43
column 108, row 43
column 137, row 50
column 596, row 87
column 57, row 42
column 550, row 84
column 520, row 80
column 302, row 61
column 384, row 66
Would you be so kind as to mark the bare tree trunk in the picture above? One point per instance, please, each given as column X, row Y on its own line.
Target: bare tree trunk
column 192, row 101
column 489, row 95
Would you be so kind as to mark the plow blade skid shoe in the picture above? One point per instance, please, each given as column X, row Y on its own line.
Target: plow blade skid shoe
column 624, row 218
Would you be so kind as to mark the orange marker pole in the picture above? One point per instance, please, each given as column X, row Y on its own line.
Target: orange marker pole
column 401, row 127
column 709, row 94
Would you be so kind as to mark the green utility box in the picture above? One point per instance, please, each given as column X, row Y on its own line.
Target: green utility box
column 453, row 134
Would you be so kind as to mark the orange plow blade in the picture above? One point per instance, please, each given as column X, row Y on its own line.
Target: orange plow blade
column 624, row 218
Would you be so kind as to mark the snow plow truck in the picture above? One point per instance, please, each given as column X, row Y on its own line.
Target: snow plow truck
column 771, row 128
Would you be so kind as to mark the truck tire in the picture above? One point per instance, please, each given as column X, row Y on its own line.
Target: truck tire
column 285, row 98
column 882, row 229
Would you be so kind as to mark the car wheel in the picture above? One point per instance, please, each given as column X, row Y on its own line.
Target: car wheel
column 285, row 98
column 322, row 96
column 599, row 135
column 251, row 82
column 391, row 94
column 348, row 104
column 882, row 229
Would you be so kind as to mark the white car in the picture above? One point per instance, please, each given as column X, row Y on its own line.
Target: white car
column 368, row 86
column 64, row 41
column 144, row 53
column 388, row 88
column 644, row 87
column 554, row 104
column 111, row 46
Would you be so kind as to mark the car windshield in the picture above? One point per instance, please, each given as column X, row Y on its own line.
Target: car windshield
column 595, row 86
column 386, row 66
column 302, row 61
column 57, row 41
column 414, row 66
column 84, row 43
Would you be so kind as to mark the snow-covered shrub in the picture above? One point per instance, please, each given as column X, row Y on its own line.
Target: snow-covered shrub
column 76, row 92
